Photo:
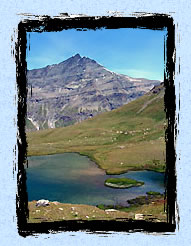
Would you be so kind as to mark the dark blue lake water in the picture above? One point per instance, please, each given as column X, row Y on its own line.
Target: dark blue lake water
column 73, row 178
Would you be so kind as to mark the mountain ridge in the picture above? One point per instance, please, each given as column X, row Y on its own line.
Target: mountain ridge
column 76, row 89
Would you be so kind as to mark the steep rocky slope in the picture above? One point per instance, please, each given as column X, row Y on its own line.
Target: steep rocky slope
column 76, row 89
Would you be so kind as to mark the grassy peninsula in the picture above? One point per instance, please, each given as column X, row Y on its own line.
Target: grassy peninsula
column 122, row 183
column 128, row 138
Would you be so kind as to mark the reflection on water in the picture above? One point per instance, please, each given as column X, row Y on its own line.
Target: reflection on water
column 73, row 178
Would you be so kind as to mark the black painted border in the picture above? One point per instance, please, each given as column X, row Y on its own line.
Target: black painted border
column 46, row 23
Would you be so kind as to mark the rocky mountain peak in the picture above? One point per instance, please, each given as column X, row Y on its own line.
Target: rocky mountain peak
column 77, row 56
column 76, row 89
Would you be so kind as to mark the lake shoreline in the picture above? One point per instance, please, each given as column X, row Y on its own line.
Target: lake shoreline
column 92, row 158
column 150, row 209
column 70, row 174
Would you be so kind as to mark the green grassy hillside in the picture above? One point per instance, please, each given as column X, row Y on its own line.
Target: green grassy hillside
column 128, row 138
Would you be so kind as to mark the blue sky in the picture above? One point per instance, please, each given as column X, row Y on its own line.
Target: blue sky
column 138, row 53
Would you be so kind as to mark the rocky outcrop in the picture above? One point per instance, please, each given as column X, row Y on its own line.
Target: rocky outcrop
column 139, row 216
column 42, row 203
column 76, row 89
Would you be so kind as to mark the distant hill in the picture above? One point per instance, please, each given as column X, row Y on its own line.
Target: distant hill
column 77, row 89
column 131, row 137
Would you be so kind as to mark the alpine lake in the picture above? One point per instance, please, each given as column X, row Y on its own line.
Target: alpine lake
column 73, row 178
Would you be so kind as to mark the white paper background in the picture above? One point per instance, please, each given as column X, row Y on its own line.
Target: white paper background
column 10, row 15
